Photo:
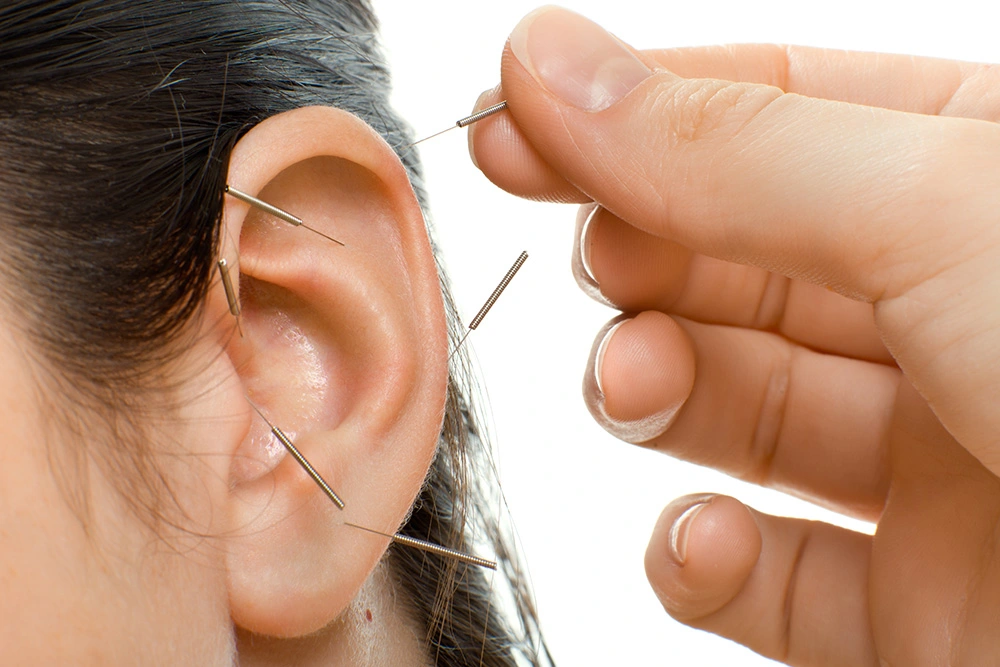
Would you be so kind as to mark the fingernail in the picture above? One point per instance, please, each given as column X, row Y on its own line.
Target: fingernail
column 601, row 350
column 679, row 531
column 585, row 244
column 583, row 270
column 638, row 431
column 575, row 59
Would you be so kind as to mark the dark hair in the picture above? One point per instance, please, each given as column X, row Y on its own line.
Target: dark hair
column 117, row 119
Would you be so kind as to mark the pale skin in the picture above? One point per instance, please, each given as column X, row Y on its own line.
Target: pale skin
column 350, row 356
column 807, row 246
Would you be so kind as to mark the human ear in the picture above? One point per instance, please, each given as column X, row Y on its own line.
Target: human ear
column 344, row 349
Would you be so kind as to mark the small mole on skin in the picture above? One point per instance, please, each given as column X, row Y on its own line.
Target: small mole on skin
column 368, row 615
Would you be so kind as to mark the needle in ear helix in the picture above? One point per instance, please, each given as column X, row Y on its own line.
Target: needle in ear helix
column 234, row 301
column 275, row 211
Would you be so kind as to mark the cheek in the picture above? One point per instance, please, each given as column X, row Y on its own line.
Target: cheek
column 107, row 592
column 84, row 580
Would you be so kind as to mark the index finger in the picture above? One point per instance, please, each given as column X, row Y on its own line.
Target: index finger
column 834, row 193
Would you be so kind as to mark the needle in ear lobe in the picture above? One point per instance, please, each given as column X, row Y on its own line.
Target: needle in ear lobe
column 294, row 451
column 423, row 545
column 398, row 538
column 275, row 211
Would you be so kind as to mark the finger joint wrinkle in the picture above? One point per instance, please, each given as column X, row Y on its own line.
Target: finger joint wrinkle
column 771, row 416
column 788, row 598
column 771, row 306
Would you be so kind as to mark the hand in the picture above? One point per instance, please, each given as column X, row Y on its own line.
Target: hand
column 808, row 247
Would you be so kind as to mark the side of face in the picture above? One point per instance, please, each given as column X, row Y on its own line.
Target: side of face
column 344, row 348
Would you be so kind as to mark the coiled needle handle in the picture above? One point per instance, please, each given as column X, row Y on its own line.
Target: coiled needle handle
column 490, row 302
column 481, row 315
column 479, row 115
column 468, row 120
column 299, row 458
column 430, row 547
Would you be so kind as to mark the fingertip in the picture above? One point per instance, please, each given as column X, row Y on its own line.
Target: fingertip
column 500, row 150
column 580, row 259
column 701, row 554
column 640, row 373
column 647, row 370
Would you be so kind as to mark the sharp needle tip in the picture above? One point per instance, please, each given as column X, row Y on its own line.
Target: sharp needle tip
column 460, row 344
column 436, row 134
column 329, row 238
column 256, row 409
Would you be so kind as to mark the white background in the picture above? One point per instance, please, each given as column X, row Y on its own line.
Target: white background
column 584, row 503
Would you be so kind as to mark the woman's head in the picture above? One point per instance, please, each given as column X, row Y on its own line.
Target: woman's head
column 143, row 507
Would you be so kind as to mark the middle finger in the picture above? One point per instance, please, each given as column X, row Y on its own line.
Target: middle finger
column 749, row 403
column 632, row 270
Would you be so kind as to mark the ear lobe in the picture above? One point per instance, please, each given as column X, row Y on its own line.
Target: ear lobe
column 345, row 349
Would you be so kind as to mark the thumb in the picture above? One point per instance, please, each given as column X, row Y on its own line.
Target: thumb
column 826, row 191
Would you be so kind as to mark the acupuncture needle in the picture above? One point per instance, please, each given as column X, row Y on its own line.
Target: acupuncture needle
column 294, row 451
column 468, row 120
column 430, row 547
column 481, row 315
column 398, row 538
column 275, row 211
column 231, row 297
